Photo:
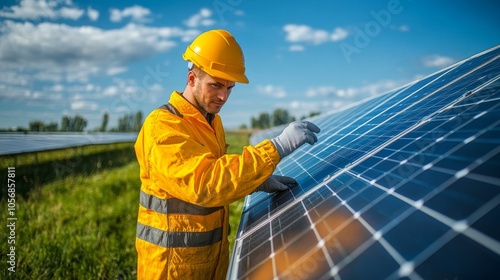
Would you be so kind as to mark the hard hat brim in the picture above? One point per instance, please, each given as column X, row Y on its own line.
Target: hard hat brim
column 237, row 78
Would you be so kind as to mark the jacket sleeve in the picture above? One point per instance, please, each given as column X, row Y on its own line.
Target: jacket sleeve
column 189, row 171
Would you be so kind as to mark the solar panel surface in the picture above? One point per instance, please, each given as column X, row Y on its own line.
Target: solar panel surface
column 16, row 143
column 405, row 185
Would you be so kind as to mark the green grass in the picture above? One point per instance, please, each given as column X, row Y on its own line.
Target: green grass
column 37, row 169
column 82, row 225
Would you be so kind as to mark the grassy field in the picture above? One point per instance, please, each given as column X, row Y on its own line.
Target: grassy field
column 78, row 224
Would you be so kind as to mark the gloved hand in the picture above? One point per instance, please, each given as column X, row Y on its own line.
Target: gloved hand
column 295, row 135
column 277, row 183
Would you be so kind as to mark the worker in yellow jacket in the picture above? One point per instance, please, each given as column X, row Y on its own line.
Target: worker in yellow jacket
column 187, row 178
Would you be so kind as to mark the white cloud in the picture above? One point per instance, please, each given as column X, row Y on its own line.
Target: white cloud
column 306, row 34
column 300, row 108
column 73, row 53
column 339, row 34
column 353, row 93
column 38, row 9
column 296, row 48
column 136, row 13
column 115, row 70
column 272, row 91
column 13, row 77
column 90, row 87
column 51, row 76
column 239, row 13
column 404, row 28
column 84, row 105
column 401, row 28
column 43, row 97
column 321, row 91
column 71, row 13
column 127, row 88
column 79, row 74
column 58, row 87
column 92, row 14
column 202, row 18
column 437, row 61
column 110, row 91
column 189, row 35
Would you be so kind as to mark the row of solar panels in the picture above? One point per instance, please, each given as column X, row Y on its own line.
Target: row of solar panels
column 17, row 143
column 403, row 186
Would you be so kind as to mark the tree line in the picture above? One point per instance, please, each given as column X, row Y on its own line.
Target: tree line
column 128, row 123
column 132, row 122
column 277, row 117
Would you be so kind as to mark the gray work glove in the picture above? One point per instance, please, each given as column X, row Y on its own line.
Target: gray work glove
column 277, row 183
column 295, row 135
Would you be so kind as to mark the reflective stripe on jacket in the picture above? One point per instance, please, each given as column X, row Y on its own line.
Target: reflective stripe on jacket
column 188, row 181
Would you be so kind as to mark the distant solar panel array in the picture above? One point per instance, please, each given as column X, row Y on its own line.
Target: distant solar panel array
column 405, row 185
column 16, row 143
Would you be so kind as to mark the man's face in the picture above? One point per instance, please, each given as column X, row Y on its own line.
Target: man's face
column 211, row 93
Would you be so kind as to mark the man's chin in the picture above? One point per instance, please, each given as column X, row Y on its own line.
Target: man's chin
column 215, row 110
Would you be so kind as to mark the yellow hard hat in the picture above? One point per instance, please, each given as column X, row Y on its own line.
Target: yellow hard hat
column 217, row 53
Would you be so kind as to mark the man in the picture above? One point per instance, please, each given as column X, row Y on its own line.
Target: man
column 188, row 180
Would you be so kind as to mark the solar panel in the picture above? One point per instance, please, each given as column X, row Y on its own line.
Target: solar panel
column 16, row 143
column 405, row 185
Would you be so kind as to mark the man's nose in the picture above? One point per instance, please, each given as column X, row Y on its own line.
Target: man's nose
column 223, row 94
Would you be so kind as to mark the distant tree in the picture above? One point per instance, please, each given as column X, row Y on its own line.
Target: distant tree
column 73, row 124
column 130, row 122
column 122, row 124
column 21, row 129
column 243, row 126
column 65, row 123
column 51, row 127
column 80, row 123
column 264, row 120
column 138, row 121
column 40, row 126
column 37, row 126
column 104, row 124
column 312, row 114
column 254, row 123
column 281, row 116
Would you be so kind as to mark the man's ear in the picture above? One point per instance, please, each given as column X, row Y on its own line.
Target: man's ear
column 191, row 77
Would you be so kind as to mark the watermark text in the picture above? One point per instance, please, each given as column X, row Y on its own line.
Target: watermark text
column 11, row 219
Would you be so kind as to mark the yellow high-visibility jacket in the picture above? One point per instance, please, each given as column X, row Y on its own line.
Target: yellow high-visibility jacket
column 188, row 181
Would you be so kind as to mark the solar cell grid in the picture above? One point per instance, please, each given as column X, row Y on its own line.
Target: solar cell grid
column 405, row 185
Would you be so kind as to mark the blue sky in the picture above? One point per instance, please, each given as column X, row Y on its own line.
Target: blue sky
column 89, row 57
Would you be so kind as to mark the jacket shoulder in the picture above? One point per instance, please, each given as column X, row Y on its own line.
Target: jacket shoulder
column 169, row 107
column 162, row 124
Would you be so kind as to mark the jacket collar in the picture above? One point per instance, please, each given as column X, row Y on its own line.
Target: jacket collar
column 187, row 109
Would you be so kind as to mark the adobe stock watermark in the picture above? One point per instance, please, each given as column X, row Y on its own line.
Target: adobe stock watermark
column 223, row 6
column 363, row 37
column 11, row 219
